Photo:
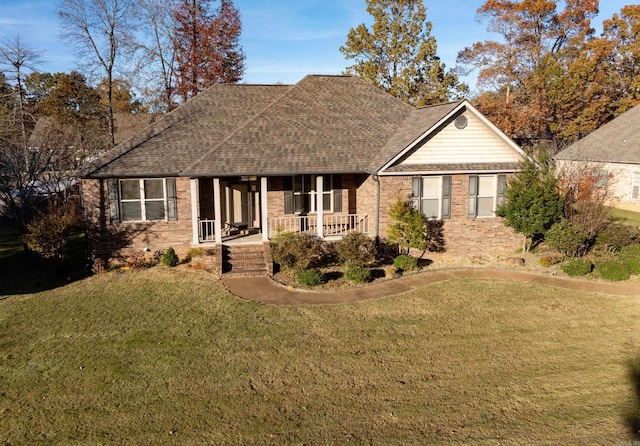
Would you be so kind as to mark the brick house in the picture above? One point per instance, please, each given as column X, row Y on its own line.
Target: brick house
column 327, row 155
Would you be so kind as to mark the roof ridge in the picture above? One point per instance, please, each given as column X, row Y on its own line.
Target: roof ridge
column 243, row 125
column 155, row 129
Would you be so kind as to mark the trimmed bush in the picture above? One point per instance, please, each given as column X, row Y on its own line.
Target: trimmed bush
column 577, row 267
column 298, row 251
column 630, row 256
column 569, row 239
column 309, row 277
column 405, row 262
column 547, row 261
column 613, row 270
column 170, row 258
column 616, row 236
column 356, row 249
column 358, row 274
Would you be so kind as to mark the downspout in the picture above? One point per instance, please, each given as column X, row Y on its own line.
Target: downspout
column 377, row 180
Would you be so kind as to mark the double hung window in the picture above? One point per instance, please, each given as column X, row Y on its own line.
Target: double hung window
column 144, row 199
column 301, row 196
column 432, row 196
column 486, row 193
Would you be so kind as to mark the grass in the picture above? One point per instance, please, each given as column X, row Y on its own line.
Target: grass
column 167, row 356
column 10, row 241
column 624, row 216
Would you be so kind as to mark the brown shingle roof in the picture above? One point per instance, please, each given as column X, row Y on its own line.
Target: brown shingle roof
column 328, row 124
column 179, row 138
column 324, row 124
column 618, row 141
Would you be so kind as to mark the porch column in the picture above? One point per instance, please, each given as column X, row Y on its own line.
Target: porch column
column 217, row 210
column 264, row 209
column 194, row 210
column 319, row 206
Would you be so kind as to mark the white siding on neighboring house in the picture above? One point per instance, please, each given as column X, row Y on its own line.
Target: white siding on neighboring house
column 476, row 143
column 623, row 182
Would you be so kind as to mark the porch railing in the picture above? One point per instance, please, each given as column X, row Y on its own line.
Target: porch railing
column 207, row 231
column 332, row 225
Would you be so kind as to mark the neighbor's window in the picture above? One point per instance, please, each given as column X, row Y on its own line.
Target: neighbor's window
column 486, row 193
column 432, row 196
column 635, row 186
column 147, row 199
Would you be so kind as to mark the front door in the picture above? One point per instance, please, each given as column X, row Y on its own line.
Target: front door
column 244, row 209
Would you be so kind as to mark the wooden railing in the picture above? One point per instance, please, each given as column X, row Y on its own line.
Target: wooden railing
column 332, row 225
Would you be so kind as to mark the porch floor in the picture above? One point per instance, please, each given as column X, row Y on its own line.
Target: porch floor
column 253, row 239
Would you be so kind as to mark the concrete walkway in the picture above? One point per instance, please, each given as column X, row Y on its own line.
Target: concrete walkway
column 265, row 290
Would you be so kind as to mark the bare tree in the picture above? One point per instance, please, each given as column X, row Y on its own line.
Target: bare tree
column 158, row 51
column 101, row 31
column 17, row 60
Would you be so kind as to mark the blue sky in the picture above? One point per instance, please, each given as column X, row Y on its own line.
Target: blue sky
column 283, row 40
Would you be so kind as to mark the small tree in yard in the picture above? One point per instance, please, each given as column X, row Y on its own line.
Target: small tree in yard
column 533, row 202
column 408, row 229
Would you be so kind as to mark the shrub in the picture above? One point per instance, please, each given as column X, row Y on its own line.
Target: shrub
column 613, row 270
column 408, row 227
column 194, row 252
column 616, row 236
column 135, row 260
column 570, row 239
column 356, row 249
column 577, row 267
column 50, row 234
column 405, row 262
column 170, row 258
column 358, row 274
column 99, row 266
column 309, row 277
column 390, row 271
column 298, row 251
column 630, row 256
column 547, row 261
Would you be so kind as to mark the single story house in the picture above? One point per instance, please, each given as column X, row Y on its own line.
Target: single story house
column 328, row 155
column 610, row 156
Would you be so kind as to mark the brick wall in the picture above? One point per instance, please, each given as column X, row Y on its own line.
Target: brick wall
column 462, row 234
column 118, row 239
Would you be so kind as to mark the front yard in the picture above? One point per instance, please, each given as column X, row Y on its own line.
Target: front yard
column 167, row 356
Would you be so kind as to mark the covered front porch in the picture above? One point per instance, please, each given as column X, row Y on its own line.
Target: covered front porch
column 258, row 208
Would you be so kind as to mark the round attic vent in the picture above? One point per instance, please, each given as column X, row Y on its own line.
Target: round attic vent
column 461, row 121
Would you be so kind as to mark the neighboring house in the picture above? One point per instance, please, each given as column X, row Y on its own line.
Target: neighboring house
column 609, row 156
column 326, row 156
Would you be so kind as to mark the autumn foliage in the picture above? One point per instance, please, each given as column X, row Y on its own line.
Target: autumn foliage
column 207, row 46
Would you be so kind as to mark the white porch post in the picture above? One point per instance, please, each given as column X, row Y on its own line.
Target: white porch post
column 217, row 210
column 319, row 206
column 194, row 210
column 264, row 209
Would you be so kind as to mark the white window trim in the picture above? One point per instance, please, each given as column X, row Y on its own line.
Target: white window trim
column 494, row 196
column 327, row 188
column 142, row 200
column 635, row 183
column 439, row 197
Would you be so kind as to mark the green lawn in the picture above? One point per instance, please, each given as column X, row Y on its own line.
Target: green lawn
column 626, row 217
column 169, row 357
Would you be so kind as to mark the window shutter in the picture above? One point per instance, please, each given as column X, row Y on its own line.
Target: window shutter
column 416, row 187
column 114, row 205
column 172, row 200
column 337, row 193
column 446, row 197
column 502, row 187
column 288, row 196
column 473, row 195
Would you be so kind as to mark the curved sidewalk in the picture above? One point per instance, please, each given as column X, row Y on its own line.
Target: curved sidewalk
column 265, row 290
